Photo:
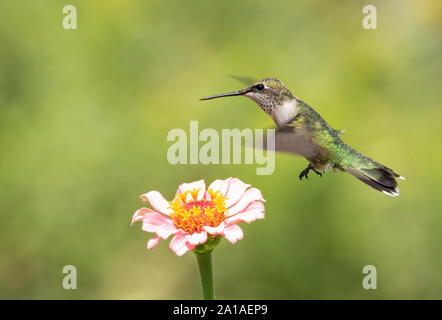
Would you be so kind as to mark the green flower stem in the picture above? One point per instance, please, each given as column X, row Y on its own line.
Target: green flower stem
column 206, row 273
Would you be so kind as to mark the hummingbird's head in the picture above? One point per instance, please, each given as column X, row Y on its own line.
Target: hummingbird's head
column 268, row 93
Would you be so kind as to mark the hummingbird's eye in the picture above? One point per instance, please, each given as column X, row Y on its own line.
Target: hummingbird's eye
column 259, row 87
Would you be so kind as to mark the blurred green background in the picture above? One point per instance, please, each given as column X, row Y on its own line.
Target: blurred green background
column 84, row 116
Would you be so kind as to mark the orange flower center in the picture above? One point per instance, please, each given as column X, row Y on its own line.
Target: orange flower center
column 190, row 214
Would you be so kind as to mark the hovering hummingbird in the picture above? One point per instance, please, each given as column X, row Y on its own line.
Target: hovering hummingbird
column 301, row 130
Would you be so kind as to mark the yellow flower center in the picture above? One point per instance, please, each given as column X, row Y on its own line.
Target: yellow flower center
column 191, row 214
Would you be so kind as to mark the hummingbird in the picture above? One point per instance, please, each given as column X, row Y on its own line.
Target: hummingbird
column 301, row 130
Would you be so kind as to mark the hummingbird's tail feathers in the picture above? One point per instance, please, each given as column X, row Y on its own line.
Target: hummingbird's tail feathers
column 381, row 179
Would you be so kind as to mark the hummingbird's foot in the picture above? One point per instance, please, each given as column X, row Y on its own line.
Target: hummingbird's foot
column 305, row 172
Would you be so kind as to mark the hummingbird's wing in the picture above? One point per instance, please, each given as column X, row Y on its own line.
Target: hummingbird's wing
column 243, row 79
column 291, row 140
column 297, row 141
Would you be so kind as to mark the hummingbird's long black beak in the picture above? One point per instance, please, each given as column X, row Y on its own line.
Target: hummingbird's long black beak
column 230, row 94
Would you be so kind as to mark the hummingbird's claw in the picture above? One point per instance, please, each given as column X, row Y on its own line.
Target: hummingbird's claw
column 304, row 173
column 317, row 172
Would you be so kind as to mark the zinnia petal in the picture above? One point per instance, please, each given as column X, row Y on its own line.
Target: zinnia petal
column 178, row 244
column 200, row 184
column 189, row 246
column 215, row 230
column 197, row 238
column 139, row 214
column 153, row 242
column 235, row 191
column 220, row 185
column 254, row 211
column 233, row 233
column 159, row 224
column 250, row 195
column 157, row 202
column 166, row 230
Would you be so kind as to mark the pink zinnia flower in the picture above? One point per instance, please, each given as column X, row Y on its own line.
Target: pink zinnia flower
column 197, row 215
